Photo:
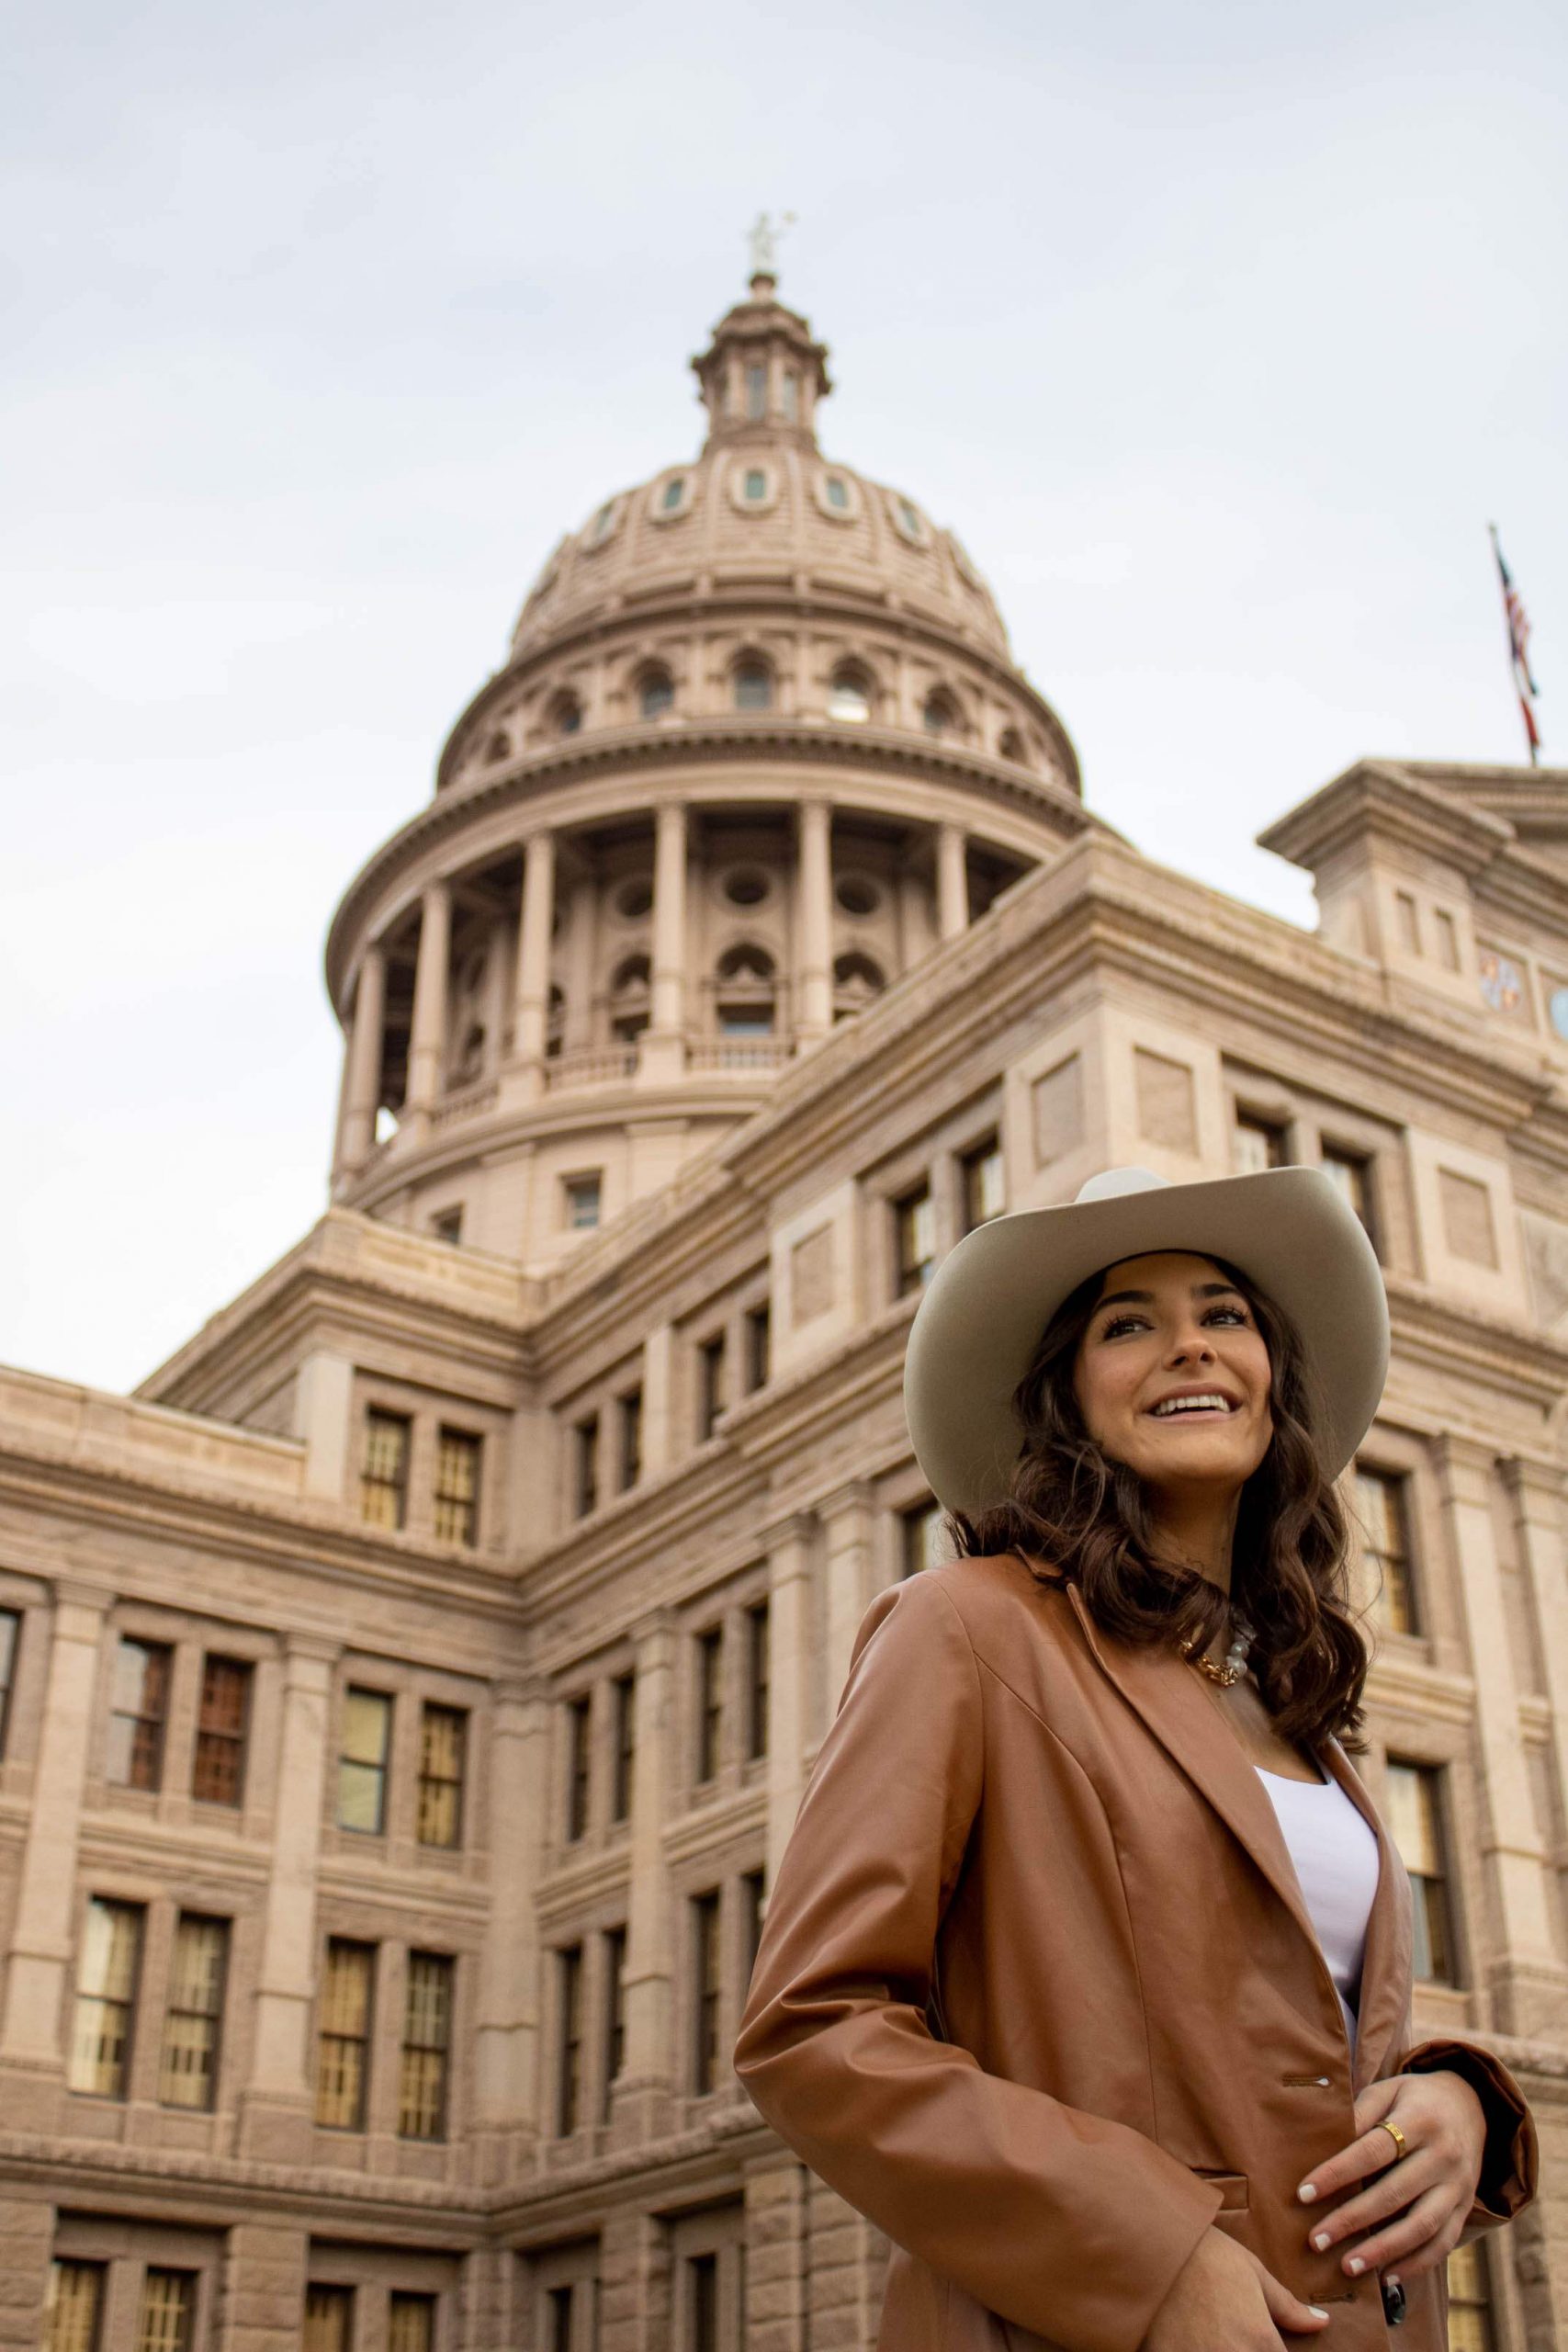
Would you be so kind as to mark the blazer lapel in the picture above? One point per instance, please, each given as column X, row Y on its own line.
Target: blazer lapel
column 1166, row 1692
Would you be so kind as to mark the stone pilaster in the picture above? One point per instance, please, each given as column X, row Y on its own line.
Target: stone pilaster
column 791, row 1648
column 847, row 1541
column 507, row 2074
column 951, row 881
column 277, row 2104
column 581, row 926
column 32, row 2023
column 659, row 1400
column 662, row 1054
column 777, row 2220
column 531, row 1010
column 488, row 2302
column 427, row 1035
column 644, row 2094
column 848, row 2264
column 261, row 2294
column 1515, row 1957
column 633, row 2283
column 814, row 976
column 362, row 1065
column 27, row 2238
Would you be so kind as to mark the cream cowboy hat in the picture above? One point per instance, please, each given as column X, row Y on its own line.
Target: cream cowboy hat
column 978, row 1325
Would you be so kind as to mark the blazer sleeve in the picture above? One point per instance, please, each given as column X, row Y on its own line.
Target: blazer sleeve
column 1065, row 2222
column 1510, row 2165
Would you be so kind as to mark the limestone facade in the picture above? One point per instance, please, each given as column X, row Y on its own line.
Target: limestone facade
column 409, row 1691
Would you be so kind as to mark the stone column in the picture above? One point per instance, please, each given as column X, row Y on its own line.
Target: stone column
column 579, row 1028
column 362, row 1065
column 1520, row 1965
column 792, row 1647
column 658, row 1401
column 27, row 2244
column 847, row 1536
column 506, row 2051
column 644, row 2094
column 261, row 2294
column 277, row 2104
column 39, row 1956
column 951, row 881
column 814, row 998
column 531, row 1013
column 427, row 1036
column 1538, row 1494
column 776, row 2226
column 662, row 1056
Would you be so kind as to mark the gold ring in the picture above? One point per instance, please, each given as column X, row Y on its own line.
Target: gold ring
column 1398, row 2138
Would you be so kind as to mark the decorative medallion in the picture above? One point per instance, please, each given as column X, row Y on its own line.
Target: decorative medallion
column 1501, row 986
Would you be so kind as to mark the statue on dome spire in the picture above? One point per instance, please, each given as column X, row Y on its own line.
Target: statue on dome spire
column 763, row 240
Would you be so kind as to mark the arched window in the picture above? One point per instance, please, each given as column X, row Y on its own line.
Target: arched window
column 656, row 693
column 1010, row 747
column 856, row 979
column 941, row 714
column 744, row 993
column 498, row 747
column 564, row 715
column 753, row 684
column 674, row 491
column 631, row 997
column 849, row 697
column 555, row 1021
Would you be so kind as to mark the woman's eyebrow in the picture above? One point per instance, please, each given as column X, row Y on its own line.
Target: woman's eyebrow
column 1146, row 1297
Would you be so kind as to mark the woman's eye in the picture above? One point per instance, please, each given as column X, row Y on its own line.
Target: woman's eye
column 1120, row 1323
column 1231, row 1314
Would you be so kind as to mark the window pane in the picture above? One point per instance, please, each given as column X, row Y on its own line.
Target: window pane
column 410, row 2324
column 362, row 1777
column 753, row 688
column 168, row 2311
column 1382, row 1508
column 100, row 2046
column 442, row 1749
column 136, row 1729
column 427, row 2035
column 383, row 1484
column 218, row 1773
column 458, row 1487
column 329, row 2318
column 625, row 1747
column 187, row 2074
column 705, row 1959
column 569, row 2069
column 982, row 1185
column 1256, row 1145
column 73, row 2306
column 342, row 2034
column 10, row 1626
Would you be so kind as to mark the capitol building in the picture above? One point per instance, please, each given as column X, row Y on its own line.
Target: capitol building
column 407, row 1693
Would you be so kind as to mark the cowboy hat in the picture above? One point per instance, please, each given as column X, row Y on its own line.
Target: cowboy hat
column 1290, row 1230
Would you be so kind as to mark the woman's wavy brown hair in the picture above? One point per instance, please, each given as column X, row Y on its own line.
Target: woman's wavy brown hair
column 1087, row 1518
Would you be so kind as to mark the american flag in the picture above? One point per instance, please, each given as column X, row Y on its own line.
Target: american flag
column 1518, row 651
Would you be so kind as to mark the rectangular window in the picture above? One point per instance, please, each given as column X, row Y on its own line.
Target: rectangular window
column 1350, row 1172
column 446, row 1225
column 759, row 1346
column 1448, row 938
column 702, row 2301
column 569, row 2069
column 1257, row 1144
column 585, row 1465
column 1415, row 1820
column 1408, row 927
column 982, row 1172
column 74, row 2308
column 218, row 1770
column 168, row 2311
column 582, row 1202
column 758, row 1667
column 442, row 1756
column 10, row 1635
column 362, row 1766
column 625, row 1690
column 614, row 2009
column 914, row 1230
column 705, row 1977
column 1382, row 1505
column 187, row 2074
column 922, row 1544
column 710, row 1700
column 1470, row 2300
column 427, row 2043
column 329, row 2318
column 560, row 2309
column 135, row 1758
column 343, row 2037
column 579, row 1763
column 384, row 1475
column 752, row 1894
column 713, row 1385
column 105, row 1993
column 791, row 392
column 631, row 1410
column 410, row 2324
column 458, row 1487
column 756, row 392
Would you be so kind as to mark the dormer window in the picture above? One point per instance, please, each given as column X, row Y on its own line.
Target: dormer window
column 604, row 523
column 756, row 392
column 909, row 521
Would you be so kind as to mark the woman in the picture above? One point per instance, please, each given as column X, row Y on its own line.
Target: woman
column 1086, row 1975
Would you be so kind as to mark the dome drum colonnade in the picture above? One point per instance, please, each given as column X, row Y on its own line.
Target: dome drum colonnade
column 700, row 814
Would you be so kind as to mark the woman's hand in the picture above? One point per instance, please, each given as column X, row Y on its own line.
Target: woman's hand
column 1416, row 2207
column 1223, row 2295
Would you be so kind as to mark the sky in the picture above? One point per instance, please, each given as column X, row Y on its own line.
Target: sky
column 1219, row 333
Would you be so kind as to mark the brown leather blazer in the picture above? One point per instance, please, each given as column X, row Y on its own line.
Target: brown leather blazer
column 1038, row 1993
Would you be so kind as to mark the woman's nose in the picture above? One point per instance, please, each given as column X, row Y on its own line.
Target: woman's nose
column 1189, row 1344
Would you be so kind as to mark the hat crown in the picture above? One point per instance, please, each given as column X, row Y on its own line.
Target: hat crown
column 1111, row 1183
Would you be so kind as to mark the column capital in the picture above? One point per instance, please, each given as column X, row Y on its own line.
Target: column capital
column 1528, row 1475
column 315, row 1649
column 659, row 1625
column 1463, row 1461
column 856, row 1494
column 75, row 1592
column 789, row 1527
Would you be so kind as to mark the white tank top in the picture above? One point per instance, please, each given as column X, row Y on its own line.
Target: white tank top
column 1336, row 1855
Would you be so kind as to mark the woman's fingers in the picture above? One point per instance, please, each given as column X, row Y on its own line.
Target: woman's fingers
column 1430, row 2216
column 1287, row 2309
column 1389, row 2194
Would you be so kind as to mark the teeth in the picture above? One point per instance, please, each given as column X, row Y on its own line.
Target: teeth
column 1192, row 1404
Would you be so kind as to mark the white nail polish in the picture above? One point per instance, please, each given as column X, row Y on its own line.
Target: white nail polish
column 1322, row 2241
column 1306, row 2192
column 1317, row 2311
column 1354, row 2266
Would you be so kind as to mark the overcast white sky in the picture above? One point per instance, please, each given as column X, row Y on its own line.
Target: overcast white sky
column 1219, row 333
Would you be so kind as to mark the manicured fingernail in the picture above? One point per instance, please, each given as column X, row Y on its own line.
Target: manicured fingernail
column 1322, row 2240
column 1317, row 2311
column 1306, row 2192
column 1354, row 2266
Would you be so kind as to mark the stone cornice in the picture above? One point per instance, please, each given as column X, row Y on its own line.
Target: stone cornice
column 652, row 749
column 1380, row 796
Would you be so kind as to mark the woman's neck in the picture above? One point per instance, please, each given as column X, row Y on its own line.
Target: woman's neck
column 1198, row 1529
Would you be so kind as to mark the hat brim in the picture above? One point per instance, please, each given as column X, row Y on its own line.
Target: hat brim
column 1289, row 1230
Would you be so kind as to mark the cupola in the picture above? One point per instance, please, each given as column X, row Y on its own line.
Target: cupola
column 762, row 374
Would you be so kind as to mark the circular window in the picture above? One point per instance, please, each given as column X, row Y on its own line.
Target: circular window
column 754, row 486
column 909, row 521
column 835, row 491
column 634, row 898
column 674, row 491
column 604, row 523
column 746, row 887
column 857, row 896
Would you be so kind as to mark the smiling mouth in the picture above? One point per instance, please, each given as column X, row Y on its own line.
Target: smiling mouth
column 1206, row 1402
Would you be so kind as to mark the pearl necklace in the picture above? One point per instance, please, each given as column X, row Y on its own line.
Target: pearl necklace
column 1234, row 1667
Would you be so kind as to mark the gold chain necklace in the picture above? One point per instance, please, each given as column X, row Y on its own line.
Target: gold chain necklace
column 1234, row 1667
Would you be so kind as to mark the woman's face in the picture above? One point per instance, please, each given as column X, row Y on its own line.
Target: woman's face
column 1172, row 1376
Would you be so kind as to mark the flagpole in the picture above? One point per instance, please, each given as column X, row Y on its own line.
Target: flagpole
column 1525, row 686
